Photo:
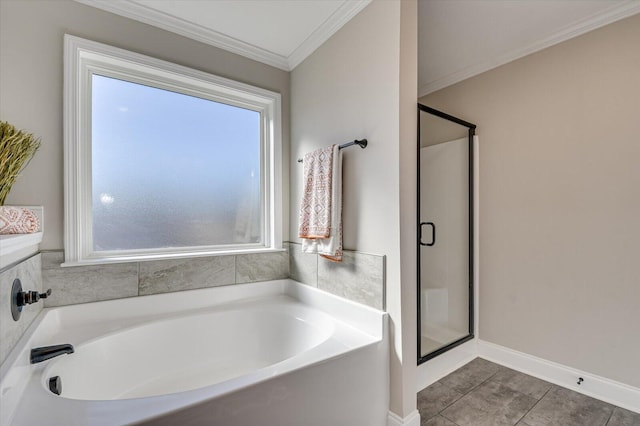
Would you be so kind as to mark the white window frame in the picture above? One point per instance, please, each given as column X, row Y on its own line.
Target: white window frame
column 82, row 59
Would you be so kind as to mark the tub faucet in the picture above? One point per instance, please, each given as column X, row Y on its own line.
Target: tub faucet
column 47, row 352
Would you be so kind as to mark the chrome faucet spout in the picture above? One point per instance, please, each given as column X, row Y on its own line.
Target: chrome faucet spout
column 47, row 352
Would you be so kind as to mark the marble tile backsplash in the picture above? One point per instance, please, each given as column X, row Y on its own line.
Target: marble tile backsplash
column 262, row 267
column 81, row 284
column 165, row 276
column 303, row 267
column 359, row 277
column 29, row 273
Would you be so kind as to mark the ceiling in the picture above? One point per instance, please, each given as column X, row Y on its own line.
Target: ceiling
column 457, row 38
column 280, row 33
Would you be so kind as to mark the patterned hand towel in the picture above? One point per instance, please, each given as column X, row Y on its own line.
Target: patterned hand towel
column 18, row 220
column 321, row 208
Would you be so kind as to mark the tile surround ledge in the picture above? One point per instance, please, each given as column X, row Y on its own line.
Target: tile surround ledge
column 165, row 276
column 83, row 284
column 360, row 277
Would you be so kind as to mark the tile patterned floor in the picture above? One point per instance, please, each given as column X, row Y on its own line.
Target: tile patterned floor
column 482, row 393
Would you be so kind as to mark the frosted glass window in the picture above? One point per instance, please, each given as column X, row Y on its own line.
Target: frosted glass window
column 172, row 170
column 164, row 161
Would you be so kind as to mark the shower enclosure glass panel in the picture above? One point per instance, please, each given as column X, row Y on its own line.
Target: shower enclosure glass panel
column 444, row 241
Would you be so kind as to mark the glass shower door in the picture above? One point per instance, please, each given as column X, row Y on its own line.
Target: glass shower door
column 444, row 240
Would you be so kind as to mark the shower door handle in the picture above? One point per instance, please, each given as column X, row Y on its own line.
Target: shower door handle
column 433, row 234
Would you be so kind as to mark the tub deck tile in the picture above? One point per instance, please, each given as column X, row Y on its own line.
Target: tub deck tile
column 83, row 284
column 164, row 276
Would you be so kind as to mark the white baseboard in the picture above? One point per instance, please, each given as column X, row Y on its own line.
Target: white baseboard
column 438, row 367
column 412, row 419
column 601, row 388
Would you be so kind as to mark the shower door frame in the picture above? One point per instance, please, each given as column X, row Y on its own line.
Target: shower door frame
column 471, row 133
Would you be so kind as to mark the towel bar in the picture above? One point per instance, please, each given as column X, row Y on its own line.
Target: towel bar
column 361, row 143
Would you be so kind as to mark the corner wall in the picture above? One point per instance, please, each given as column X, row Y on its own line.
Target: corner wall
column 352, row 88
column 560, row 200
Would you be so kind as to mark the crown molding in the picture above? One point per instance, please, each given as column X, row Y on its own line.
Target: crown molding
column 615, row 13
column 188, row 29
column 337, row 20
column 150, row 16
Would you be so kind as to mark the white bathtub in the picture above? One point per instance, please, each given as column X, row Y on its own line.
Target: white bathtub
column 272, row 353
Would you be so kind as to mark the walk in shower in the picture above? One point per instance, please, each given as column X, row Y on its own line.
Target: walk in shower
column 445, row 232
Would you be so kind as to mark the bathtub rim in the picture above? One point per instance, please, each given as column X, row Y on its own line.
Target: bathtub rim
column 16, row 367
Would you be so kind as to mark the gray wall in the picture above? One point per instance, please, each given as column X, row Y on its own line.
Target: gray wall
column 31, row 47
column 560, row 200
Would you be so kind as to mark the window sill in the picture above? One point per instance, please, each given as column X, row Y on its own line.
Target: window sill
column 169, row 256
